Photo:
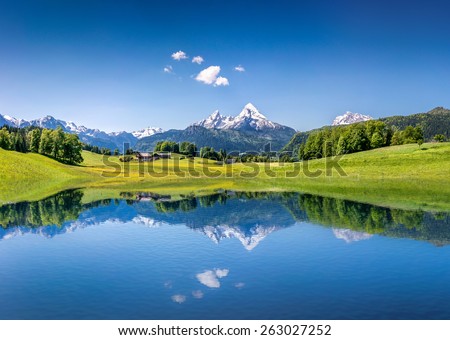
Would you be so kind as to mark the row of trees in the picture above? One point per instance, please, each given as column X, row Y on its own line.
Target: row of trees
column 185, row 148
column 100, row 150
column 368, row 135
column 13, row 139
column 61, row 146
column 208, row 152
column 407, row 136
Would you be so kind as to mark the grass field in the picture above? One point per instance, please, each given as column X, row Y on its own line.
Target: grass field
column 400, row 176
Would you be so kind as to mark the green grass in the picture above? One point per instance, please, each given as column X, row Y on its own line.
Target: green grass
column 399, row 176
column 32, row 176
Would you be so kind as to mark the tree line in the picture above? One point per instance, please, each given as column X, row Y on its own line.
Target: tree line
column 352, row 138
column 100, row 150
column 61, row 146
column 221, row 155
column 435, row 125
column 184, row 148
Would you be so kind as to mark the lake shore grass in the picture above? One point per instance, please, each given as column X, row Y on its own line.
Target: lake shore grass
column 404, row 176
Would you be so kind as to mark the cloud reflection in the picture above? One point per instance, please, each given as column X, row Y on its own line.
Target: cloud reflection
column 350, row 236
column 178, row 298
column 198, row 294
column 210, row 278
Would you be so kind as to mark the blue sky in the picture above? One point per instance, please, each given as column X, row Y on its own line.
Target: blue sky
column 101, row 63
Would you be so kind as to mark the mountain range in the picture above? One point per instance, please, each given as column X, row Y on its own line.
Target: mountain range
column 350, row 118
column 96, row 137
column 248, row 131
column 249, row 119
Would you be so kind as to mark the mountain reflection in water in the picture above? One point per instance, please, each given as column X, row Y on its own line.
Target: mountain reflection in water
column 246, row 216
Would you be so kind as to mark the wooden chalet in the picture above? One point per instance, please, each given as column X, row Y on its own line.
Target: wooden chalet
column 143, row 156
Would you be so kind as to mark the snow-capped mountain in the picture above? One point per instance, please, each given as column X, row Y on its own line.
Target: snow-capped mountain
column 96, row 137
column 250, row 130
column 8, row 120
column 215, row 121
column 149, row 131
column 350, row 118
column 249, row 119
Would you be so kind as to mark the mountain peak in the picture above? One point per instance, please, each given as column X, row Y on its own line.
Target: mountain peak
column 214, row 121
column 249, row 119
column 250, row 107
column 215, row 114
column 149, row 131
column 251, row 111
column 438, row 110
column 350, row 118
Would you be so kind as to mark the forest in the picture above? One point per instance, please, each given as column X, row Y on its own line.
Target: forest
column 346, row 139
column 57, row 144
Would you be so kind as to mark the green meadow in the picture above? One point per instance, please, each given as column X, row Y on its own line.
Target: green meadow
column 403, row 176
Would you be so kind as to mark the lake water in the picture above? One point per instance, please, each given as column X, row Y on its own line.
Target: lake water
column 226, row 256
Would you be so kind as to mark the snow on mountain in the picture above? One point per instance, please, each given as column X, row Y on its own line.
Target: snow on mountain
column 249, row 119
column 49, row 122
column 350, row 118
column 91, row 136
column 215, row 121
column 14, row 122
column 149, row 131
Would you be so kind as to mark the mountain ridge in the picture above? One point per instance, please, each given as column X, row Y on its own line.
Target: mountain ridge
column 250, row 130
column 96, row 137
column 350, row 118
column 435, row 121
column 248, row 119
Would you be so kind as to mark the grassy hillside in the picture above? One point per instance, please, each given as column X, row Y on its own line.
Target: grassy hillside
column 401, row 176
column 32, row 176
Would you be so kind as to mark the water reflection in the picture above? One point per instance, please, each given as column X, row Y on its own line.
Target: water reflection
column 198, row 294
column 288, row 269
column 350, row 236
column 178, row 298
column 247, row 217
column 210, row 278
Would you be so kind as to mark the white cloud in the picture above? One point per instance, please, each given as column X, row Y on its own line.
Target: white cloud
column 221, row 81
column 198, row 59
column 168, row 69
column 239, row 68
column 179, row 298
column 208, row 75
column 179, row 55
